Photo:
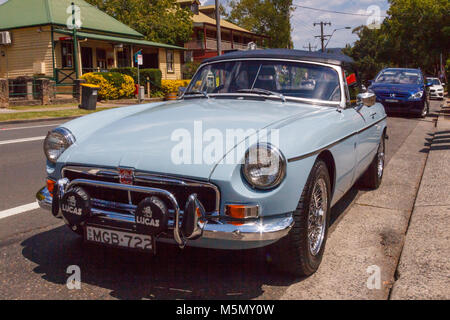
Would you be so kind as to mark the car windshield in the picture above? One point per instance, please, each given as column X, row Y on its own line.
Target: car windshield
column 435, row 82
column 267, row 78
column 399, row 77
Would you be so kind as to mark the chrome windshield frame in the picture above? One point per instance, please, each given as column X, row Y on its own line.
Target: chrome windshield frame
column 339, row 104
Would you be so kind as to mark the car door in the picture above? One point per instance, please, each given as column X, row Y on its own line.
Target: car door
column 367, row 132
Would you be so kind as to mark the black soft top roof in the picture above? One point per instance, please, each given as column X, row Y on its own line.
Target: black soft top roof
column 335, row 59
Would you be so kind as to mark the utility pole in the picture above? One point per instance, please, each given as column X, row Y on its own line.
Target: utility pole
column 309, row 46
column 75, row 43
column 219, row 35
column 322, row 35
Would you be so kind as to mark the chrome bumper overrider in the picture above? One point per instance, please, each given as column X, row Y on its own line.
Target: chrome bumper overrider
column 213, row 227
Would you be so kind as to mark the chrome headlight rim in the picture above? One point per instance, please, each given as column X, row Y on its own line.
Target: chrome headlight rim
column 281, row 169
column 67, row 137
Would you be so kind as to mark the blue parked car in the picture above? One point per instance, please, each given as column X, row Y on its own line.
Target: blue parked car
column 402, row 91
column 255, row 153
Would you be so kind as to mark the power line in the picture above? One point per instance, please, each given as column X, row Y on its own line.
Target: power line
column 336, row 12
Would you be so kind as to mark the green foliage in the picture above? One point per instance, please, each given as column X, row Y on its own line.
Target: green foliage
column 266, row 17
column 414, row 35
column 113, row 85
column 189, row 69
column 153, row 75
column 159, row 20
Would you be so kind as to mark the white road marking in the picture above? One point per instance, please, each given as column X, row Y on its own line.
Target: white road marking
column 17, row 210
column 30, row 127
column 22, row 140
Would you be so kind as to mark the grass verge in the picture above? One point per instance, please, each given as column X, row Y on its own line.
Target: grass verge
column 52, row 106
column 46, row 114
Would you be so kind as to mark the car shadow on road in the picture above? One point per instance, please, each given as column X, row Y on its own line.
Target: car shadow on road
column 191, row 273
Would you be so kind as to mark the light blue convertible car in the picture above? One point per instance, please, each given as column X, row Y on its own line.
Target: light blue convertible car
column 254, row 153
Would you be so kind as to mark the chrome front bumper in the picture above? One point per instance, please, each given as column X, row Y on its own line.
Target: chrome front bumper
column 264, row 229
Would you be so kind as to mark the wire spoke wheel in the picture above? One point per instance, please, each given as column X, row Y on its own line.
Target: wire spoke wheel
column 317, row 216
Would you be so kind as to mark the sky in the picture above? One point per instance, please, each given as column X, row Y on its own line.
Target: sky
column 302, row 20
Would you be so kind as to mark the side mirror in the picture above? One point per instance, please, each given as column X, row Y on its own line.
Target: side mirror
column 370, row 82
column 367, row 99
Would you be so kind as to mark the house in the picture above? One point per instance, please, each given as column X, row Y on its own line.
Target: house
column 203, row 43
column 36, row 39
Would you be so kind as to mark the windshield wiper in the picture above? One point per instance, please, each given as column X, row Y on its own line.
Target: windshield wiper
column 198, row 92
column 264, row 92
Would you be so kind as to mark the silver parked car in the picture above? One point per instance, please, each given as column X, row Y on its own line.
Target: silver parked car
column 287, row 134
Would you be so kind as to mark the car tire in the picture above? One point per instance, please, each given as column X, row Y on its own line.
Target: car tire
column 373, row 176
column 297, row 253
column 425, row 110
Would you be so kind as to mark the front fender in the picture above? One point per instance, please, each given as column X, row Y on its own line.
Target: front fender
column 281, row 200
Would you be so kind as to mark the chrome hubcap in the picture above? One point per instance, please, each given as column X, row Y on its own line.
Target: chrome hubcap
column 317, row 216
column 381, row 160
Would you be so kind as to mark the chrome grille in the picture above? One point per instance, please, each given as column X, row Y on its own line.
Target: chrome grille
column 124, row 202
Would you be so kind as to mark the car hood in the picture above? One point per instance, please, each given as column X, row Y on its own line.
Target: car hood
column 395, row 88
column 145, row 137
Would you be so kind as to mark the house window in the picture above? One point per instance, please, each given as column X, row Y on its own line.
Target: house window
column 67, row 54
column 170, row 61
column 123, row 56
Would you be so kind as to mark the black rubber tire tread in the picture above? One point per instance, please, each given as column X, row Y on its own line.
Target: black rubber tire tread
column 370, row 179
column 291, row 254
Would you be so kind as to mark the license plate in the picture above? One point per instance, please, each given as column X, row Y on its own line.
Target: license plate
column 391, row 100
column 119, row 238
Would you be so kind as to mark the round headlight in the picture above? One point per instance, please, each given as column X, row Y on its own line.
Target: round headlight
column 264, row 166
column 56, row 142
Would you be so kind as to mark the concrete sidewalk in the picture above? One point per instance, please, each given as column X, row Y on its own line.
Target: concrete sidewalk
column 424, row 269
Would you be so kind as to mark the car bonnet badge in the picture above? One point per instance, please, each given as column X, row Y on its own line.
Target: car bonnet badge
column 126, row 176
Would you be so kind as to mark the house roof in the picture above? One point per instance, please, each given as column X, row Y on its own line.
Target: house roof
column 120, row 39
column 285, row 54
column 26, row 13
column 201, row 17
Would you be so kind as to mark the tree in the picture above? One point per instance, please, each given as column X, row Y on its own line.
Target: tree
column 265, row 17
column 158, row 20
column 414, row 35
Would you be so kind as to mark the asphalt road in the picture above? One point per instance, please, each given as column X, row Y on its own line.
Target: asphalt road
column 36, row 249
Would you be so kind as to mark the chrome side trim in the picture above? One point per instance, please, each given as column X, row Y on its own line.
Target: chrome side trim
column 144, row 177
column 310, row 154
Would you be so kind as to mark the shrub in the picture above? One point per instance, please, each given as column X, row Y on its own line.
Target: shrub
column 154, row 76
column 189, row 69
column 169, row 86
column 113, row 85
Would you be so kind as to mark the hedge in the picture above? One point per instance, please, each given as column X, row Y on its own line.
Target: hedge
column 113, row 85
column 154, row 75
column 169, row 86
